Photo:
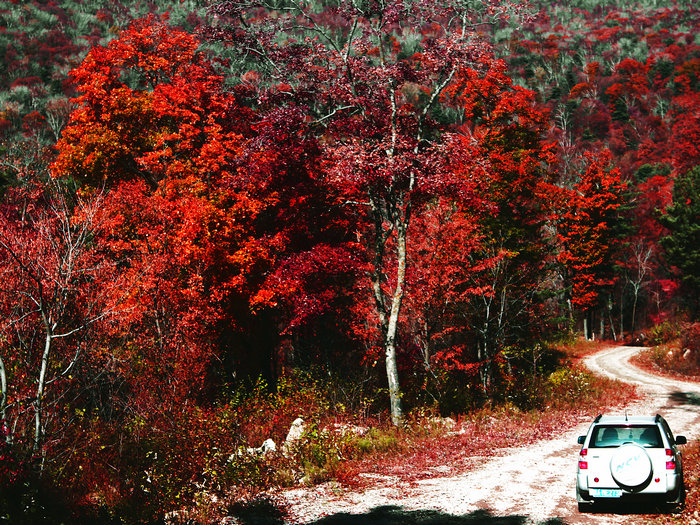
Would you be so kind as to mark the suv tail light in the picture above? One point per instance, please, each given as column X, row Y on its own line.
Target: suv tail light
column 582, row 463
column 670, row 461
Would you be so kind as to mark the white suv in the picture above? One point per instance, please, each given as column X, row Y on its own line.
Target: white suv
column 627, row 456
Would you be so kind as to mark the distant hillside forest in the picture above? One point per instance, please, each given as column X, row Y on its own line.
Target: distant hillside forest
column 409, row 200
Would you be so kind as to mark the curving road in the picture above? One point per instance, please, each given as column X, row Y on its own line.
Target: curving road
column 678, row 401
column 532, row 484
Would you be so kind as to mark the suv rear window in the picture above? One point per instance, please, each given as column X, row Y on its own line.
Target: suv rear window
column 604, row 436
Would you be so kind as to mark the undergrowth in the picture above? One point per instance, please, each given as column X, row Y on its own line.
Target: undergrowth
column 532, row 406
column 349, row 451
column 676, row 351
column 198, row 473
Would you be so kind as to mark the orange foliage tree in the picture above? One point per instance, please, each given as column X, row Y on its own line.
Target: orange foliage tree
column 155, row 127
column 585, row 230
column 195, row 190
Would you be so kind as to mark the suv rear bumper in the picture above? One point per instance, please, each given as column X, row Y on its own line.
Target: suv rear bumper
column 672, row 492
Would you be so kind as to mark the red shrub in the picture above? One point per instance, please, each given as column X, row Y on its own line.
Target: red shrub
column 690, row 338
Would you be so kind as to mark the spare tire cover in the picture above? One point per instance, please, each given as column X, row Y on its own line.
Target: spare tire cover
column 631, row 467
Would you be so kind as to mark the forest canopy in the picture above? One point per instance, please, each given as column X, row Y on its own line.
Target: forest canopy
column 201, row 203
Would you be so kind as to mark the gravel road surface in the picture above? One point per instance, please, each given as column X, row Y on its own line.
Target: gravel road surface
column 528, row 485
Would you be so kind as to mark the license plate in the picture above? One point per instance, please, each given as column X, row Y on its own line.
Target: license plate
column 605, row 493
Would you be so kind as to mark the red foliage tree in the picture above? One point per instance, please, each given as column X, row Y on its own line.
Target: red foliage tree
column 212, row 206
column 155, row 126
column 372, row 77
column 50, row 300
column 503, row 267
column 585, row 232
column 685, row 132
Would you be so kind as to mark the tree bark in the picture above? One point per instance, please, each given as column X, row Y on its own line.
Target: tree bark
column 610, row 317
column 634, row 309
column 392, row 327
column 622, row 313
column 483, row 351
column 3, row 394
column 388, row 314
column 38, row 431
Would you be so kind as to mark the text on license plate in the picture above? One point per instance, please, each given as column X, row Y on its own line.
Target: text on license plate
column 605, row 493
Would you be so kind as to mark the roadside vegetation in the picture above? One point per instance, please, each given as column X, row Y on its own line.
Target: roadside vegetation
column 346, row 441
column 674, row 350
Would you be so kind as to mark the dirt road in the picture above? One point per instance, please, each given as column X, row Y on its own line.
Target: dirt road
column 533, row 484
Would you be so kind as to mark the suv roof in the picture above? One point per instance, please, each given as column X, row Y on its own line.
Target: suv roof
column 627, row 420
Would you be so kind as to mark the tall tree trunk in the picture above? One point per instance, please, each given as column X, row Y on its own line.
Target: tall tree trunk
column 393, row 323
column 38, row 404
column 392, row 374
column 622, row 312
column 389, row 313
column 484, row 352
column 3, row 397
column 634, row 309
column 610, row 317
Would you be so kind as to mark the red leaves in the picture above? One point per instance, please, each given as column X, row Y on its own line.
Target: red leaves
column 685, row 132
column 630, row 80
column 155, row 125
column 145, row 99
column 311, row 284
column 217, row 214
column 583, row 230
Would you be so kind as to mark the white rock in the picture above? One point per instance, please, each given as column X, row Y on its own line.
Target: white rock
column 294, row 435
column 268, row 446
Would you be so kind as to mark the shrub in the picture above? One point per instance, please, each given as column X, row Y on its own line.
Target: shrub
column 376, row 440
column 681, row 355
column 28, row 497
column 665, row 332
column 525, row 373
column 568, row 383
column 266, row 411
column 319, row 453
column 690, row 338
column 247, row 470
column 12, row 469
column 672, row 360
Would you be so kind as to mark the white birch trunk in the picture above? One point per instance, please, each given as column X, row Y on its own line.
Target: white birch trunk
column 392, row 372
column 38, row 404
column 3, row 392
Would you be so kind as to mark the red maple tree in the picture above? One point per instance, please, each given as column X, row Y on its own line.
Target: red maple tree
column 584, row 230
column 373, row 79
